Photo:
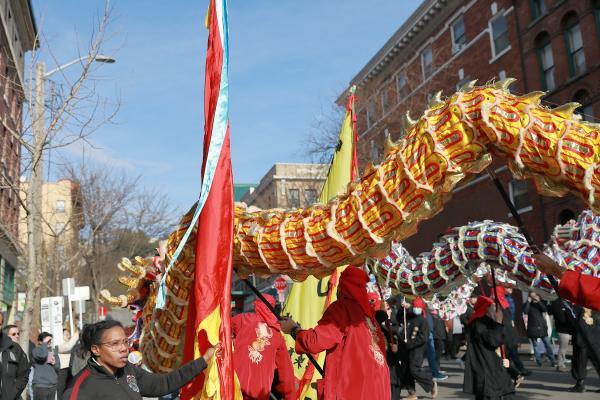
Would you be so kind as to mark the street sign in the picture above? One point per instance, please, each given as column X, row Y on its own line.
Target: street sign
column 68, row 286
column 81, row 293
column 280, row 284
column 52, row 318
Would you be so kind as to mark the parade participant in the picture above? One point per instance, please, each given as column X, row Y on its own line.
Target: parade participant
column 108, row 374
column 355, row 360
column 574, row 286
column 416, row 348
column 14, row 367
column 486, row 374
column 537, row 328
column 439, row 335
column 260, row 351
column 393, row 356
column 511, row 336
column 589, row 325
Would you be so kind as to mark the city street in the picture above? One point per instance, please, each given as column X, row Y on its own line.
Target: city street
column 544, row 383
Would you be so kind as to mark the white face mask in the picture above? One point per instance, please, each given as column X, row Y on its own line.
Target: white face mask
column 417, row 311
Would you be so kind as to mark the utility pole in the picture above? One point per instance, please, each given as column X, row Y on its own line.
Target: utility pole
column 34, row 205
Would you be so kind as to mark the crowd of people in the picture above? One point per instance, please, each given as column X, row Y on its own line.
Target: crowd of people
column 374, row 349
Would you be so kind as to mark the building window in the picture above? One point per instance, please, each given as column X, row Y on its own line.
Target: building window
column 574, row 43
column 59, row 227
column 427, row 62
column 586, row 111
column 519, row 195
column 371, row 114
column 538, row 8
column 459, row 40
column 596, row 7
column 402, row 86
column 310, row 197
column 385, row 100
column 546, row 61
column 294, row 198
column 59, row 206
column 499, row 31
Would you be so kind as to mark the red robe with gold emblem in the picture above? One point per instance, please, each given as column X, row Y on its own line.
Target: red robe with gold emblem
column 355, row 366
column 259, row 350
column 580, row 289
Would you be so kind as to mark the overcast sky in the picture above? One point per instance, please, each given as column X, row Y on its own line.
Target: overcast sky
column 289, row 60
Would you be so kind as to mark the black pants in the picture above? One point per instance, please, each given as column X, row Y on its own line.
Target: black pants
column 419, row 375
column 439, row 349
column 61, row 385
column 513, row 356
column 44, row 393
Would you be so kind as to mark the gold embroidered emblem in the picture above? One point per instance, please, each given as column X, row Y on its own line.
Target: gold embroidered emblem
column 263, row 334
column 377, row 354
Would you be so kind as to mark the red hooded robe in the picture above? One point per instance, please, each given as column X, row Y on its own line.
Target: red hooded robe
column 355, row 364
column 580, row 289
column 259, row 350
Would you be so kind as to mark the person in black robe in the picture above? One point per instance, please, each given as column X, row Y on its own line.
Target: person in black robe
column 392, row 351
column 589, row 325
column 415, row 348
column 439, row 335
column 486, row 374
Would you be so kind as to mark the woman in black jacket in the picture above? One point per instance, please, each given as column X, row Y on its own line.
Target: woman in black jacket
column 108, row 374
column 537, row 327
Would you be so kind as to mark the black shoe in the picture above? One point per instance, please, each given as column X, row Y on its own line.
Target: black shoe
column 525, row 372
column 578, row 388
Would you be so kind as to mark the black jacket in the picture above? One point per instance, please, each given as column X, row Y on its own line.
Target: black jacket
column 416, row 344
column 484, row 373
column 15, row 369
column 130, row 382
column 439, row 328
column 559, row 312
column 536, row 323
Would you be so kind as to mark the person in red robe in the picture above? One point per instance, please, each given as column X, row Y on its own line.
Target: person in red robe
column 355, row 360
column 259, row 351
column 574, row 286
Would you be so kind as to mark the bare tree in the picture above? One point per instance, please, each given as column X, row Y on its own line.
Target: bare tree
column 119, row 219
column 76, row 111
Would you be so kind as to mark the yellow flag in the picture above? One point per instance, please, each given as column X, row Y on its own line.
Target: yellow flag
column 308, row 300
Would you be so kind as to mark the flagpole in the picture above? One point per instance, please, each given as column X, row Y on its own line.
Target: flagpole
column 272, row 309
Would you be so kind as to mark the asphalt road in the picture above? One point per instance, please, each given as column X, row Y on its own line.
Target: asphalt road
column 544, row 383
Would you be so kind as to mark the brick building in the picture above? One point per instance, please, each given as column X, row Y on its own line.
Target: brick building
column 288, row 186
column 550, row 45
column 17, row 36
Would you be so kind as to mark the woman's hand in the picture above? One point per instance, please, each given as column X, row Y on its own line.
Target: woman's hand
column 505, row 363
column 287, row 325
column 216, row 349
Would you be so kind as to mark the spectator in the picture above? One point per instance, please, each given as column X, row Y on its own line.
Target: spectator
column 64, row 354
column 12, row 331
column 564, row 331
column 14, row 372
column 46, row 365
column 537, row 327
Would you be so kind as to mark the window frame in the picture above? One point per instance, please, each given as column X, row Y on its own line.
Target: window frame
column 456, row 47
column 427, row 50
column 568, row 29
column 404, row 87
column 539, row 50
column 290, row 197
column 306, row 199
column 495, row 52
column 371, row 110
column 512, row 196
column 537, row 12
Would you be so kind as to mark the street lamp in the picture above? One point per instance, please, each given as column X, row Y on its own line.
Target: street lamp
column 34, row 198
column 98, row 58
